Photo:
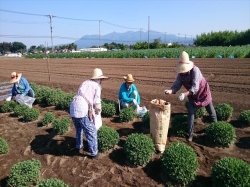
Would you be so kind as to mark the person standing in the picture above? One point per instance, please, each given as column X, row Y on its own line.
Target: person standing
column 20, row 86
column 85, row 105
column 128, row 94
column 198, row 90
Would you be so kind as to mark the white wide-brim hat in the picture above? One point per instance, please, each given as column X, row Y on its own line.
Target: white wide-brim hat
column 184, row 64
column 15, row 77
column 129, row 78
column 97, row 74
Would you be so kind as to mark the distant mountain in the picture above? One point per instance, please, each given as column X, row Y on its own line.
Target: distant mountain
column 129, row 37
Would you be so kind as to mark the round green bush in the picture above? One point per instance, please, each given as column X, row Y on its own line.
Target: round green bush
column 26, row 173
column 35, row 87
column 221, row 133
column 127, row 114
column 48, row 118
column 230, row 172
column 107, row 138
column 179, row 125
column 108, row 108
column 224, row 111
column 53, row 183
column 8, row 106
column 139, row 149
column 61, row 126
column 200, row 112
column 4, row 147
column 65, row 100
column 19, row 110
column 245, row 117
column 146, row 120
column 31, row 114
column 180, row 163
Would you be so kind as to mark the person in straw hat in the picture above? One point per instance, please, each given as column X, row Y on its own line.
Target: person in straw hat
column 128, row 94
column 20, row 86
column 83, row 108
column 198, row 91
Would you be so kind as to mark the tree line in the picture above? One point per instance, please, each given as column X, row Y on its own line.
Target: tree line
column 223, row 38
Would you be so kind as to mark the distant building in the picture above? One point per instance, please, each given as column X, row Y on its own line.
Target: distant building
column 92, row 49
column 13, row 55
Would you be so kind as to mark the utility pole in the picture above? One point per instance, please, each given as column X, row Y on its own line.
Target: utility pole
column 100, row 34
column 185, row 39
column 165, row 38
column 148, row 29
column 140, row 34
column 50, row 17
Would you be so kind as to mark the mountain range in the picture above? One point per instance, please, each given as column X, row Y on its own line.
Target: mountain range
column 130, row 37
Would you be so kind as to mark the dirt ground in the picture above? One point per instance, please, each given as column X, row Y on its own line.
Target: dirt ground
column 229, row 80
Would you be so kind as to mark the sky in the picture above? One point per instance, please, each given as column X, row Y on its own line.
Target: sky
column 28, row 21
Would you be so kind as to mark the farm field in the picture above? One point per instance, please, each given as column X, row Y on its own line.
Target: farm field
column 229, row 80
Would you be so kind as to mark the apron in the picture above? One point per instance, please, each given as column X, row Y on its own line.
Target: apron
column 203, row 96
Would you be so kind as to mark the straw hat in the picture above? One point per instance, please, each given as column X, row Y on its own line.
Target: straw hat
column 184, row 64
column 97, row 74
column 15, row 77
column 129, row 78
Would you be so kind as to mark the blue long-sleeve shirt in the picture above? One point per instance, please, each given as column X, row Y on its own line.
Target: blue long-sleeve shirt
column 124, row 93
column 23, row 87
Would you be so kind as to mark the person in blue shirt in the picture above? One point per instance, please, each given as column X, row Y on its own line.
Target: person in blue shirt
column 128, row 93
column 20, row 86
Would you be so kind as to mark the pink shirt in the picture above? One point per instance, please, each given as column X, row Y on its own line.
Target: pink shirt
column 89, row 92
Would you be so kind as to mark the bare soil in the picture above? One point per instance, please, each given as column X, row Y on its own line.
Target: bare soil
column 229, row 80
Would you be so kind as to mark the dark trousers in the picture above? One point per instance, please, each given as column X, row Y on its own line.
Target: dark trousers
column 30, row 93
column 191, row 112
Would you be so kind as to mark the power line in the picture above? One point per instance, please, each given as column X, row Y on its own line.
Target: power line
column 119, row 25
column 61, row 37
column 15, row 12
column 76, row 19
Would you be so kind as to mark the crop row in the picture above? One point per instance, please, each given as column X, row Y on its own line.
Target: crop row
column 194, row 52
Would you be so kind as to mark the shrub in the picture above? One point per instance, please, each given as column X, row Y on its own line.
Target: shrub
column 180, row 163
column 179, row 125
column 26, row 173
column 4, row 147
column 220, row 133
column 224, row 111
column 139, row 148
column 20, row 109
column 42, row 94
column 245, row 117
column 31, row 114
column 8, row 106
column 230, row 172
column 108, row 108
column 127, row 114
column 35, row 87
column 107, row 138
column 61, row 126
column 146, row 120
column 200, row 112
column 48, row 118
column 52, row 182
column 65, row 100
column 54, row 97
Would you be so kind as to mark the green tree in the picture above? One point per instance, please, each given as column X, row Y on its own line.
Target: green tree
column 18, row 47
column 5, row 47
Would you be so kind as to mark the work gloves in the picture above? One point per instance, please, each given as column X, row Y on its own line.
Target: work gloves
column 182, row 96
column 8, row 98
column 168, row 91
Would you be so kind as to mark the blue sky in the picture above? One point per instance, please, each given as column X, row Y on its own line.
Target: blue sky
column 184, row 17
